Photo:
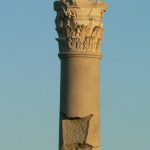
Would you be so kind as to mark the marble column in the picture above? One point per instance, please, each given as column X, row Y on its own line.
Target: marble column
column 79, row 26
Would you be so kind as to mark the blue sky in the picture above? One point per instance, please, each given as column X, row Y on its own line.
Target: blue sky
column 30, row 73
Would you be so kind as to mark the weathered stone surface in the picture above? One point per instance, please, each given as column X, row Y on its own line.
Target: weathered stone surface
column 79, row 26
column 77, row 147
column 80, row 92
column 80, row 30
column 75, row 131
column 76, row 2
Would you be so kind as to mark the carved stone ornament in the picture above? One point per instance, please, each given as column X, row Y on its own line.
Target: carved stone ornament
column 79, row 25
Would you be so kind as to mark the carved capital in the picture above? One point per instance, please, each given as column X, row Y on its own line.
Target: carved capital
column 79, row 25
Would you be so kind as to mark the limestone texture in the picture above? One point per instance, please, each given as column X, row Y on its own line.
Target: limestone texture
column 80, row 34
column 75, row 130
column 77, row 147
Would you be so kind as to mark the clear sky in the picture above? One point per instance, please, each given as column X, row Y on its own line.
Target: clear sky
column 30, row 73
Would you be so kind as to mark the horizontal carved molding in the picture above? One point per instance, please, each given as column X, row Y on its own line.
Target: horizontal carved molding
column 64, row 55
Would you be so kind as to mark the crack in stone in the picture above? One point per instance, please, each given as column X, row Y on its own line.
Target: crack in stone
column 75, row 132
column 69, row 118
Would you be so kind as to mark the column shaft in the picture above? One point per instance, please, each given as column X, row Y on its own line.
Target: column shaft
column 80, row 99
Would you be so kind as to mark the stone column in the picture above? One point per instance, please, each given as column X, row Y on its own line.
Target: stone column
column 79, row 26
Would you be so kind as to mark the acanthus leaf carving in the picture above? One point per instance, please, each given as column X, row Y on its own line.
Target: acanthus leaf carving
column 76, row 30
